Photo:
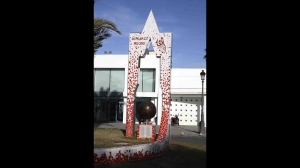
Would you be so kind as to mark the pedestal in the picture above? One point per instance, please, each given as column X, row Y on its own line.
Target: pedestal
column 146, row 131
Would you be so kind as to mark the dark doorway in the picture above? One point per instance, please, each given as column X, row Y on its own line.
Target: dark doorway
column 120, row 111
column 108, row 110
column 112, row 111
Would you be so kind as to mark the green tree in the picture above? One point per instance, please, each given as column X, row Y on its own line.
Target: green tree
column 102, row 31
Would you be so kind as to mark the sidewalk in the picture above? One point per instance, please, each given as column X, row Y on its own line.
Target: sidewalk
column 176, row 131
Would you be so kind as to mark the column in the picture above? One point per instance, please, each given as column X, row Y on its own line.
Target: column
column 159, row 106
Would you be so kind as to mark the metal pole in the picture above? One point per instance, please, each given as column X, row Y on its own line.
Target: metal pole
column 202, row 131
column 155, row 118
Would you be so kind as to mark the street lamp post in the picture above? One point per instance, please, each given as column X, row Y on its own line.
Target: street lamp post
column 202, row 129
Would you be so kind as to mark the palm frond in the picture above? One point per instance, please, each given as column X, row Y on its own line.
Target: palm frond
column 100, row 23
column 102, row 31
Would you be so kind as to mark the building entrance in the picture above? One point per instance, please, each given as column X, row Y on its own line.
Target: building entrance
column 108, row 110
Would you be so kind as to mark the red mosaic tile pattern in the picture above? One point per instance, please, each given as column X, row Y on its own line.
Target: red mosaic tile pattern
column 124, row 156
column 130, row 153
column 161, row 43
column 162, row 47
column 135, row 51
column 165, row 82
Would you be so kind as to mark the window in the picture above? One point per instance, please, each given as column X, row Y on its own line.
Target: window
column 185, row 120
column 117, row 80
column 176, row 99
column 186, row 115
column 191, row 115
column 146, row 80
column 109, row 80
column 191, row 120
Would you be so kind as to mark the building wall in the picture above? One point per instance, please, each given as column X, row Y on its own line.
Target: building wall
column 188, row 108
column 186, row 87
column 185, row 83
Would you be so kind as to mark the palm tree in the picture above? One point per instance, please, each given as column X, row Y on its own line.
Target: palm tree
column 205, row 54
column 102, row 30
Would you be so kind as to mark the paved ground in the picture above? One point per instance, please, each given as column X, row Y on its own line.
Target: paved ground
column 194, row 140
column 182, row 133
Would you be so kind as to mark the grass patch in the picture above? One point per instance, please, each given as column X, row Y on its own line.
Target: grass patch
column 180, row 155
column 107, row 137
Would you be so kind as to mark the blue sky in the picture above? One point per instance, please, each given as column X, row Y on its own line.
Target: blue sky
column 185, row 19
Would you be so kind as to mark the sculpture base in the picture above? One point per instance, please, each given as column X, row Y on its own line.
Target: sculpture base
column 146, row 132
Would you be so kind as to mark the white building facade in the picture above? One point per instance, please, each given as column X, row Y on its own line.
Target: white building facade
column 110, row 89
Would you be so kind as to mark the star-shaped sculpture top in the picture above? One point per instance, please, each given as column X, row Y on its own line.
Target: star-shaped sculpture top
column 150, row 25
column 139, row 42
